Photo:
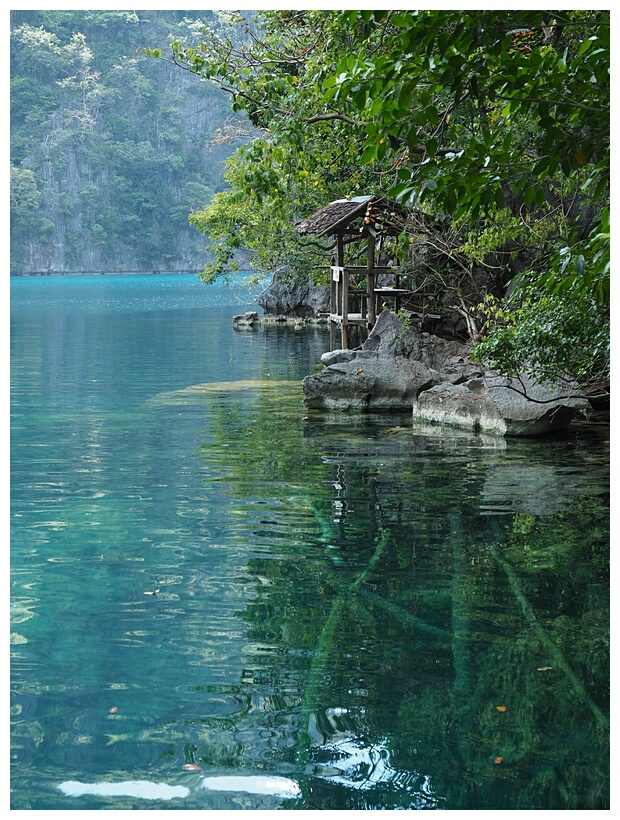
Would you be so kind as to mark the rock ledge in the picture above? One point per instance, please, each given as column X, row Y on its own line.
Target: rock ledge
column 400, row 369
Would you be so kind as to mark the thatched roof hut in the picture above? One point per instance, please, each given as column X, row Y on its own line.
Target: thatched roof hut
column 338, row 216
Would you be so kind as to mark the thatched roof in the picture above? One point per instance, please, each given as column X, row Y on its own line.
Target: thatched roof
column 338, row 215
column 325, row 219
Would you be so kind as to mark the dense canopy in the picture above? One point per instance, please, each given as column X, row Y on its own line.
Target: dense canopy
column 491, row 127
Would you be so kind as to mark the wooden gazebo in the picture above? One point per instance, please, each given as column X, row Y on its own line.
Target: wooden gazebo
column 369, row 219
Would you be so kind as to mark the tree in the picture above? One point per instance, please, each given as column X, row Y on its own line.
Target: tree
column 493, row 123
column 26, row 218
column 115, row 143
column 281, row 169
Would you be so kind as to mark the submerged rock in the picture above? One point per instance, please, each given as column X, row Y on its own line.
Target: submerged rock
column 399, row 368
column 195, row 393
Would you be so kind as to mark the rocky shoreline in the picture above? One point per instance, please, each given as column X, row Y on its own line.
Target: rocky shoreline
column 400, row 368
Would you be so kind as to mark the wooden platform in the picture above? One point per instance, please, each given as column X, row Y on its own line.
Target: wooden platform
column 351, row 319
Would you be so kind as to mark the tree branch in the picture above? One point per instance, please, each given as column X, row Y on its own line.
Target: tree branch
column 335, row 115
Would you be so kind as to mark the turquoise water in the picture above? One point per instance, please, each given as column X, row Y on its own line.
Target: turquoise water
column 351, row 614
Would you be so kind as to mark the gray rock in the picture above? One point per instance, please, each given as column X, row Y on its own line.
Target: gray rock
column 250, row 319
column 457, row 404
column 302, row 300
column 371, row 383
column 395, row 363
column 400, row 368
column 495, row 404
column 335, row 356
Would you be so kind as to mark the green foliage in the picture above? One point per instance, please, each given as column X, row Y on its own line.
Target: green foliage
column 485, row 108
column 25, row 200
column 115, row 142
column 25, row 196
column 292, row 159
column 583, row 268
column 260, row 221
column 495, row 123
column 499, row 230
column 553, row 335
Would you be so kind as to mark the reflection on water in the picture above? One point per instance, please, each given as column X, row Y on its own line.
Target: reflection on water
column 144, row 789
column 129, row 788
column 221, row 597
column 276, row 786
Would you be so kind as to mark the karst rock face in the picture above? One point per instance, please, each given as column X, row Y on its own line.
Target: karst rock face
column 399, row 368
column 305, row 300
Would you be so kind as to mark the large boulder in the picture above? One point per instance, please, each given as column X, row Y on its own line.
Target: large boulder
column 393, row 366
column 495, row 404
column 304, row 300
column 368, row 381
column 399, row 368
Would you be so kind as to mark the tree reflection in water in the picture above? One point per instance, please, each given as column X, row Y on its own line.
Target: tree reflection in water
column 437, row 609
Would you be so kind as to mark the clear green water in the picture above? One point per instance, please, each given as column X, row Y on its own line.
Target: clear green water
column 378, row 617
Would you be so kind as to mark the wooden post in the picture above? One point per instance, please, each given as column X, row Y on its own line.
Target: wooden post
column 338, row 299
column 370, row 281
column 343, row 293
column 339, row 250
column 339, row 295
column 333, row 303
column 345, row 308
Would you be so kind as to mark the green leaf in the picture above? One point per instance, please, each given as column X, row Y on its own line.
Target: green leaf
column 376, row 107
column 369, row 154
column 402, row 191
column 580, row 264
column 432, row 115
column 585, row 46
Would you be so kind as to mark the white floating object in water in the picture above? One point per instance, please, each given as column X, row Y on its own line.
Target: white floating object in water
column 336, row 711
column 127, row 788
column 253, row 784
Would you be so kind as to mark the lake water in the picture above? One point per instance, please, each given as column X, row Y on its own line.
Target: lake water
column 223, row 601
